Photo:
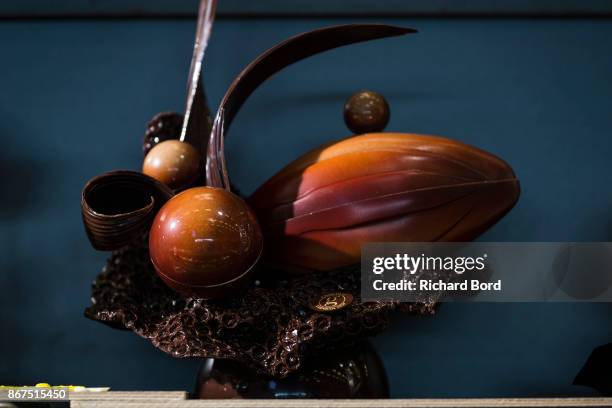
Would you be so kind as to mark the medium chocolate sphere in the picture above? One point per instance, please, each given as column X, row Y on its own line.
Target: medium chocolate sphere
column 366, row 112
column 172, row 162
column 204, row 242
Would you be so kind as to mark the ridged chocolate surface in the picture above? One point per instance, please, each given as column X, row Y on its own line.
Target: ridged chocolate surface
column 118, row 206
column 319, row 210
column 271, row 327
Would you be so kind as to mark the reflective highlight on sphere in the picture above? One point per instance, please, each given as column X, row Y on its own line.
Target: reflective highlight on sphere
column 172, row 162
column 204, row 242
column 366, row 112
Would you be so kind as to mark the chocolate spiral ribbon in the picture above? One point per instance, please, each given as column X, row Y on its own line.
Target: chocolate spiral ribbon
column 272, row 61
column 117, row 207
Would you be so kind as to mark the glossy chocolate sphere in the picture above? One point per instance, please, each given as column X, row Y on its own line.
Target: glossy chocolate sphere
column 204, row 242
column 172, row 162
column 366, row 112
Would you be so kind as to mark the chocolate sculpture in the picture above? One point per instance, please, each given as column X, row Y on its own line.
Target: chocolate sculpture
column 215, row 296
column 318, row 211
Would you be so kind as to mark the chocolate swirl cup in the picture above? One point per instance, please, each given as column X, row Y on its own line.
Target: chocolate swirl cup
column 119, row 206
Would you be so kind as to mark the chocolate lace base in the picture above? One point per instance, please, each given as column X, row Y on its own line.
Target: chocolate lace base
column 271, row 327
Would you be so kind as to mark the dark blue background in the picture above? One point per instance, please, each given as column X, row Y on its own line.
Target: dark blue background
column 74, row 100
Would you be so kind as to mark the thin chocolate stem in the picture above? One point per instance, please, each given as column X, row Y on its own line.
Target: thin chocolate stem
column 197, row 122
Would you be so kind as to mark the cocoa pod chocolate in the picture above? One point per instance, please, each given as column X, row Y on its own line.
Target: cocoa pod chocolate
column 318, row 211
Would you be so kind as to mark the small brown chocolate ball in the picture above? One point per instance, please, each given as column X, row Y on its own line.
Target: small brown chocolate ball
column 172, row 162
column 366, row 112
column 204, row 242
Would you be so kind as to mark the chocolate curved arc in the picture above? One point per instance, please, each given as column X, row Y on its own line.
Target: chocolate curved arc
column 270, row 62
column 197, row 121
column 119, row 206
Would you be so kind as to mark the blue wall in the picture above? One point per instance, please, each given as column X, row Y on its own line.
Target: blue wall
column 74, row 100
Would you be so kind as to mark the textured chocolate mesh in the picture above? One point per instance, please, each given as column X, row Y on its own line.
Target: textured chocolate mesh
column 163, row 126
column 270, row 327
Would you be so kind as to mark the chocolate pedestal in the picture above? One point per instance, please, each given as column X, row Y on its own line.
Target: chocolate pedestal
column 353, row 372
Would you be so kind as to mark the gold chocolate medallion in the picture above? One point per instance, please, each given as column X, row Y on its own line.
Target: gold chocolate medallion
column 330, row 302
